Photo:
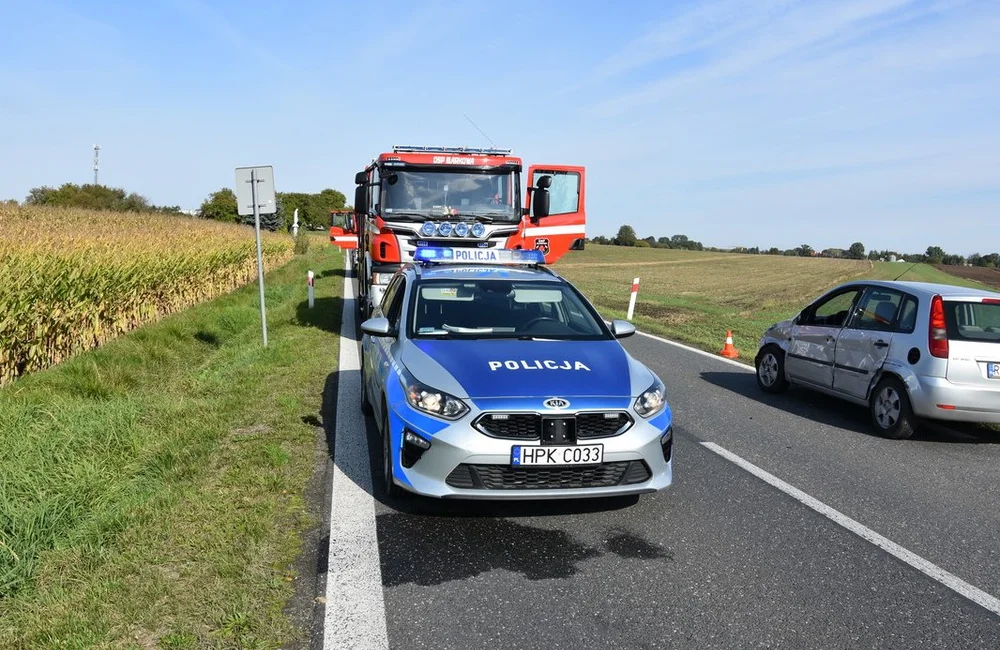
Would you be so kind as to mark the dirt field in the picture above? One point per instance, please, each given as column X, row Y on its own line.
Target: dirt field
column 982, row 274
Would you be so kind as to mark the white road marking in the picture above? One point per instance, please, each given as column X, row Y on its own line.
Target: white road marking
column 931, row 570
column 741, row 366
column 355, row 608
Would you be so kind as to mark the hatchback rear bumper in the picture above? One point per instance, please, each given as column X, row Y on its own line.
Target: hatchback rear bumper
column 939, row 399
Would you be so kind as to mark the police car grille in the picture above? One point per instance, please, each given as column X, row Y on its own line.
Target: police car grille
column 505, row 477
column 518, row 426
column 526, row 426
column 601, row 425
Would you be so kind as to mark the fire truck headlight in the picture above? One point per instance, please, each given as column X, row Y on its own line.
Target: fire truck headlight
column 427, row 229
column 478, row 230
column 430, row 400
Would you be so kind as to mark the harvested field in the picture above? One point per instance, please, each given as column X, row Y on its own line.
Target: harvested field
column 989, row 277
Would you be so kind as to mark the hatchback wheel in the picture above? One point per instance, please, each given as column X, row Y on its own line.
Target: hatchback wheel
column 771, row 369
column 891, row 412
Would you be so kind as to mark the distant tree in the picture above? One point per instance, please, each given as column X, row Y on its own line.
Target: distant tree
column 650, row 240
column 314, row 209
column 791, row 252
column 663, row 242
column 874, row 255
column 600, row 239
column 641, row 243
column 934, row 255
column 805, row 250
column 856, row 251
column 774, row 250
column 953, row 260
column 94, row 197
column 220, row 206
column 991, row 260
column 625, row 237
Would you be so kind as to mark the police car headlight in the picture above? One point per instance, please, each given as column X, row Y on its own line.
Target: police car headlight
column 652, row 400
column 430, row 400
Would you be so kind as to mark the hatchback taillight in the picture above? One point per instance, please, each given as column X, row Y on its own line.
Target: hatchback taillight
column 937, row 334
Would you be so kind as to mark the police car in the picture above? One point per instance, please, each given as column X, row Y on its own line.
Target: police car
column 491, row 377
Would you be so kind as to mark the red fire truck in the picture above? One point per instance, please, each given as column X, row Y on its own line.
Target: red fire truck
column 456, row 196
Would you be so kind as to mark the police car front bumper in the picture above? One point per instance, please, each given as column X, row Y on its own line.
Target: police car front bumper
column 462, row 462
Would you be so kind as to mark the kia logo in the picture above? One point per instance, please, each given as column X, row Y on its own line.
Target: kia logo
column 556, row 403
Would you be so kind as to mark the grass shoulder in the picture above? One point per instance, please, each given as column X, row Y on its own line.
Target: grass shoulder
column 154, row 488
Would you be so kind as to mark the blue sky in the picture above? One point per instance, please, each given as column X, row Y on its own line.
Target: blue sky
column 756, row 122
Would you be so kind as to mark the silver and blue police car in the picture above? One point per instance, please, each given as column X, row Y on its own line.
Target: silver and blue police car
column 491, row 377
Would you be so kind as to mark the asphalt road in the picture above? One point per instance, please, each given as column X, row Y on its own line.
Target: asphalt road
column 721, row 559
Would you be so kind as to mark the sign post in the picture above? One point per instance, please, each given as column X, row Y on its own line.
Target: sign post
column 255, row 195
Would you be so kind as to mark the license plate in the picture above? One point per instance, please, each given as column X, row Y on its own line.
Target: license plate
column 993, row 370
column 556, row 455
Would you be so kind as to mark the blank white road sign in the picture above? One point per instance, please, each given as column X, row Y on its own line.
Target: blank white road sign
column 266, row 203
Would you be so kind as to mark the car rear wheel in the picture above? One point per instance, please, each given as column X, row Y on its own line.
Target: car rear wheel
column 771, row 369
column 392, row 490
column 891, row 412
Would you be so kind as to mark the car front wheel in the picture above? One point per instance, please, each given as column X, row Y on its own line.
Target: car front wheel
column 366, row 405
column 771, row 370
column 392, row 491
column 891, row 412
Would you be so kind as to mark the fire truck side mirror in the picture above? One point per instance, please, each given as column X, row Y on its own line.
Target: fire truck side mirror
column 360, row 178
column 361, row 199
column 540, row 202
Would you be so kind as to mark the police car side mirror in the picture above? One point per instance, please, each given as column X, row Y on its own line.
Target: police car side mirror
column 622, row 328
column 377, row 327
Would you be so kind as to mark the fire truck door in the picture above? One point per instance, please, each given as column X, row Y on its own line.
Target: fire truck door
column 342, row 231
column 565, row 226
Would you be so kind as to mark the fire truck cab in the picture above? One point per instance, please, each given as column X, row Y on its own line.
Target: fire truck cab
column 456, row 196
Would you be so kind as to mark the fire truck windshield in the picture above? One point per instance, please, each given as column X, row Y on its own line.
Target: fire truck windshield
column 492, row 195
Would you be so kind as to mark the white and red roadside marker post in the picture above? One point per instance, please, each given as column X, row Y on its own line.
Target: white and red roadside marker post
column 312, row 294
column 631, row 299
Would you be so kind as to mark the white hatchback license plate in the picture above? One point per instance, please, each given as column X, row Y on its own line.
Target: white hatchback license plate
column 556, row 455
column 993, row 370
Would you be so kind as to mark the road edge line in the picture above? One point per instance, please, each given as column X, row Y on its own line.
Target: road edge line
column 355, row 603
column 737, row 364
column 928, row 568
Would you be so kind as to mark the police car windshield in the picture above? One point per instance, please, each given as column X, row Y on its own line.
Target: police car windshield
column 438, row 193
column 496, row 309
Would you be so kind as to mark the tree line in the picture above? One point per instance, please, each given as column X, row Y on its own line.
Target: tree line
column 314, row 209
column 626, row 237
column 94, row 197
column 856, row 251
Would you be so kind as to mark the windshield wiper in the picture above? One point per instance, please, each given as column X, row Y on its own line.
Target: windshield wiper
column 405, row 216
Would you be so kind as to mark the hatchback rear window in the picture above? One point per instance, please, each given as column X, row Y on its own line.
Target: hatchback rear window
column 973, row 321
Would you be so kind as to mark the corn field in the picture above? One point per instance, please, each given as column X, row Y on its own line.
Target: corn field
column 72, row 279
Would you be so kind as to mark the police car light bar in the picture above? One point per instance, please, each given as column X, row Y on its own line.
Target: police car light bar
column 440, row 255
column 485, row 152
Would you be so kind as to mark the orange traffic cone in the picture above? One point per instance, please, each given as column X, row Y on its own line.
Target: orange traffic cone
column 729, row 351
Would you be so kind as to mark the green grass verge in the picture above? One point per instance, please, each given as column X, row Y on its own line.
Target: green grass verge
column 695, row 297
column 152, row 491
